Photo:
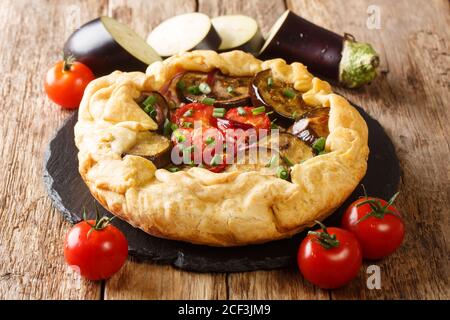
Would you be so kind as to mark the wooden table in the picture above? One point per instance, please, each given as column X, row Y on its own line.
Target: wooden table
column 410, row 98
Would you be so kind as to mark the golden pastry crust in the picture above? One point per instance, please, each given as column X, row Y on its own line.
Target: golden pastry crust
column 198, row 206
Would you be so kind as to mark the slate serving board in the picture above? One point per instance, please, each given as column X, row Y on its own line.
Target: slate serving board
column 69, row 195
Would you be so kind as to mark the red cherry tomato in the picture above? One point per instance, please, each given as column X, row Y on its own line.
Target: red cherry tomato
column 65, row 83
column 187, row 115
column 259, row 121
column 95, row 252
column 377, row 226
column 329, row 257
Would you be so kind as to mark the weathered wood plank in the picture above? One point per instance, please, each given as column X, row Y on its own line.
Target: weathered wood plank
column 145, row 280
column 410, row 100
column 31, row 231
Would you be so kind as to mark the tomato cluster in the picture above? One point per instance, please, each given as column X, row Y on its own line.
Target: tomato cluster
column 371, row 228
column 207, row 135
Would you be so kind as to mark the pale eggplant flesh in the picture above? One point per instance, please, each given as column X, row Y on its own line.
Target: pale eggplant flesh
column 312, row 126
column 153, row 147
column 227, row 91
column 278, row 96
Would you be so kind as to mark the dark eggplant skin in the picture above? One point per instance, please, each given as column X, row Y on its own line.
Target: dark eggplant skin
column 291, row 148
column 210, row 42
column 312, row 126
column 218, row 83
column 302, row 41
column 94, row 46
column 161, row 106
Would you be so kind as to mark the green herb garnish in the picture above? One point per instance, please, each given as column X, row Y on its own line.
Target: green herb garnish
column 167, row 128
column 319, row 145
column 180, row 137
column 173, row 169
column 210, row 140
column 218, row 112
column 241, row 111
column 230, row 90
column 215, row 161
column 188, row 124
column 204, row 88
column 188, row 113
column 282, row 173
column 272, row 161
column 288, row 162
column 181, row 85
column 208, row 101
column 259, row 110
column 149, row 101
column 194, row 90
column 289, row 93
column 269, row 82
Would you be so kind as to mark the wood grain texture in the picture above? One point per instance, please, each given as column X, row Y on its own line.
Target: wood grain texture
column 410, row 98
column 31, row 231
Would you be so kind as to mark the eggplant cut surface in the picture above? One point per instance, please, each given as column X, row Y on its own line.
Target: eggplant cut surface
column 153, row 147
column 277, row 95
column 312, row 126
column 106, row 45
column 227, row 91
column 156, row 106
column 238, row 32
column 190, row 31
column 292, row 150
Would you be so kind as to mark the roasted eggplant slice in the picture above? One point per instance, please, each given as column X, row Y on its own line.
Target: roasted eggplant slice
column 278, row 95
column 153, row 147
column 312, row 126
column 292, row 150
column 221, row 90
column 154, row 104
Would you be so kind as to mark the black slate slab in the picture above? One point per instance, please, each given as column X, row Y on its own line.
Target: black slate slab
column 69, row 195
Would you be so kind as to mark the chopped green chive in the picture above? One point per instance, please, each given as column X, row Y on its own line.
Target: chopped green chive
column 241, row 111
column 149, row 101
column 294, row 114
column 288, row 162
column 194, row 90
column 272, row 161
column 204, row 88
column 208, row 101
column 322, row 152
column 180, row 138
column 210, row 140
column 188, row 113
column 289, row 93
column 215, row 161
column 167, row 128
column 230, row 90
column 181, row 85
column 269, row 113
column 282, row 173
column 173, row 169
column 188, row 124
column 269, row 82
column 319, row 145
column 273, row 125
column 218, row 112
column 259, row 110
column 173, row 126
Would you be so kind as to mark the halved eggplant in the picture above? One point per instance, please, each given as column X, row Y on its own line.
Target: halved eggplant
column 312, row 126
column 238, row 32
column 106, row 45
column 277, row 95
column 190, row 31
column 292, row 150
column 226, row 91
column 153, row 147
column 154, row 104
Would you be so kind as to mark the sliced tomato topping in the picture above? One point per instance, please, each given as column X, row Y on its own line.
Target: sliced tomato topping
column 189, row 114
column 249, row 115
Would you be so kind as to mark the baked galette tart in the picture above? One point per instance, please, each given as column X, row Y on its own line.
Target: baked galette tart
column 138, row 135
